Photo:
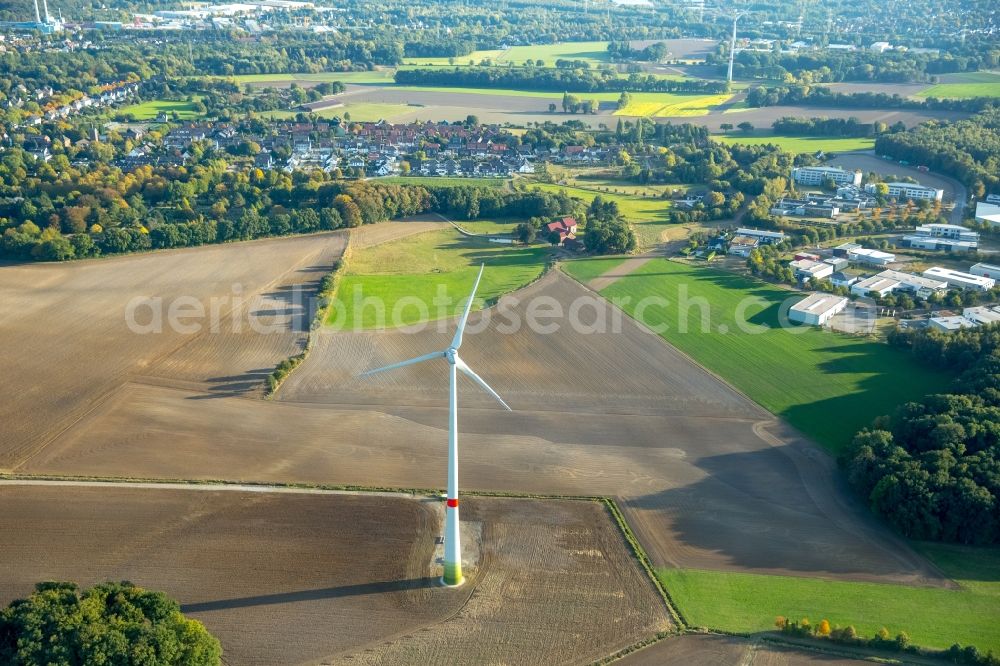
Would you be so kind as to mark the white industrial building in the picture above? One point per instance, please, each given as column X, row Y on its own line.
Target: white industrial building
column 950, row 324
column 863, row 255
column 986, row 270
column 943, row 237
column 762, row 235
column 960, row 280
column 816, row 309
column 874, row 286
column 908, row 191
column 817, row 175
column 807, row 269
column 988, row 212
column 921, row 286
column 981, row 315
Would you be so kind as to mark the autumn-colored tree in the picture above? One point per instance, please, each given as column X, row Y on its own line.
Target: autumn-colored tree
column 824, row 628
column 781, row 622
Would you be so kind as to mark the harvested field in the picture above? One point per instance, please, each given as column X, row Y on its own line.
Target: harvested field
column 764, row 117
column 707, row 479
column 287, row 577
column 68, row 344
column 712, row 650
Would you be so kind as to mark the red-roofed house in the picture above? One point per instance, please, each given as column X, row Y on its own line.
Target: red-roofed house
column 566, row 228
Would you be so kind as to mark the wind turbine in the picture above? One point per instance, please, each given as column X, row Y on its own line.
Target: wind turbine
column 452, row 543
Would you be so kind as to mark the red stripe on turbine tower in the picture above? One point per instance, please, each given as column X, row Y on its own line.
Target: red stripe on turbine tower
column 452, row 503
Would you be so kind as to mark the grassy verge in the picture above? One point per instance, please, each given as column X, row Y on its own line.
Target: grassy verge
column 801, row 144
column 825, row 384
column 748, row 603
column 427, row 277
column 585, row 270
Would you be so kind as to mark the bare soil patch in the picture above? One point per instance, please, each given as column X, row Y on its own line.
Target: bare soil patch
column 68, row 345
column 305, row 578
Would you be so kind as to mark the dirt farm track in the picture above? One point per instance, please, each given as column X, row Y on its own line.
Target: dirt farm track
column 705, row 478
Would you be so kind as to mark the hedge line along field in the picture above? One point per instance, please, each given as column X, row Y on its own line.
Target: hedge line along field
column 746, row 603
column 801, row 144
column 825, row 384
column 401, row 279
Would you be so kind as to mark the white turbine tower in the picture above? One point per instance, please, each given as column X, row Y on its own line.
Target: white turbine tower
column 452, row 543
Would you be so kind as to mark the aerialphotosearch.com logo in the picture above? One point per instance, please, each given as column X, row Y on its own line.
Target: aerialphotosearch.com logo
column 297, row 308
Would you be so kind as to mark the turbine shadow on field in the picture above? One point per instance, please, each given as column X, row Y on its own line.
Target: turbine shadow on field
column 782, row 510
column 360, row 589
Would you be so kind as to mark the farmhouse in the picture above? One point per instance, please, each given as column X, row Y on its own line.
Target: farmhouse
column 763, row 236
column 817, row 309
column 742, row 246
column 908, row 191
column 985, row 270
column 820, row 174
column 566, row 228
column 959, row 279
column 943, row 237
column 874, row 286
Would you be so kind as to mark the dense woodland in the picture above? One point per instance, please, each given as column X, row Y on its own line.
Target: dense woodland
column 932, row 468
column 968, row 150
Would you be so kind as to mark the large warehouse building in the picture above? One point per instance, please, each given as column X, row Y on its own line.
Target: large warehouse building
column 817, row 309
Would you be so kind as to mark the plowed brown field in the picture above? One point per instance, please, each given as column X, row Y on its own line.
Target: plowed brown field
column 293, row 578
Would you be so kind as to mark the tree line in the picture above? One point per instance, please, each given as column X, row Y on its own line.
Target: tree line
column 821, row 96
column 554, row 80
column 968, row 150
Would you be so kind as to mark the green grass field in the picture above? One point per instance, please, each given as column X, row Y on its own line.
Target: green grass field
column 360, row 112
column 591, row 52
column 800, row 144
column 150, row 110
column 747, row 603
column 406, row 275
column 649, row 215
column 827, row 385
column 585, row 270
column 443, row 181
column 965, row 85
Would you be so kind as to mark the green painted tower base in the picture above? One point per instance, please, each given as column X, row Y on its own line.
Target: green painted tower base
column 452, row 574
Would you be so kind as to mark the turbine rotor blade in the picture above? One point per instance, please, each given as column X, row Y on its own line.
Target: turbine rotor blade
column 457, row 340
column 461, row 365
column 403, row 364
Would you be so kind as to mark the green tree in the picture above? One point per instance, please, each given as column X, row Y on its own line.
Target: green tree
column 112, row 623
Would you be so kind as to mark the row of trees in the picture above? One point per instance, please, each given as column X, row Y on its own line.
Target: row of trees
column 820, row 96
column 848, row 127
column 932, row 468
column 571, row 80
